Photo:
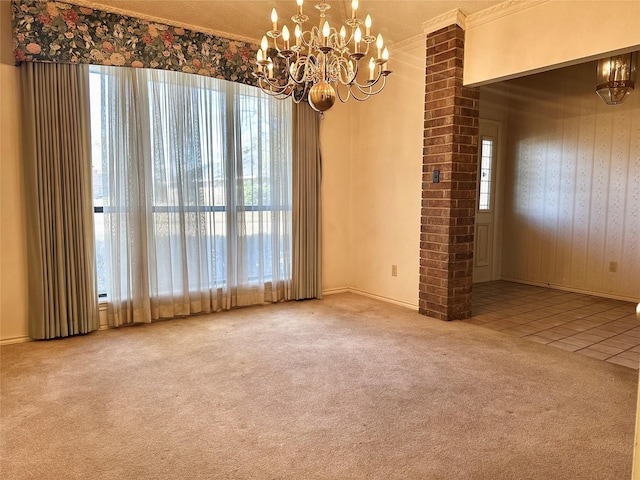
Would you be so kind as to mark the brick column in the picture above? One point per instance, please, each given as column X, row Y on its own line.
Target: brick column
column 448, row 207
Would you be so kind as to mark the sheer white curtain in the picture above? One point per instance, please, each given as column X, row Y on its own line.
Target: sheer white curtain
column 197, row 202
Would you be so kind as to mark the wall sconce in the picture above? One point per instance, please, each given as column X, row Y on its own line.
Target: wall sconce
column 616, row 77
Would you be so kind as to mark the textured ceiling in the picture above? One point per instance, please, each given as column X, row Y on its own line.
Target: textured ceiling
column 397, row 20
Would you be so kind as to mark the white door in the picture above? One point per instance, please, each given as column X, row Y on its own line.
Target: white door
column 483, row 254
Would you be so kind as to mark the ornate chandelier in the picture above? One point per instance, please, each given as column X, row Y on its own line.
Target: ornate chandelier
column 616, row 78
column 322, row 63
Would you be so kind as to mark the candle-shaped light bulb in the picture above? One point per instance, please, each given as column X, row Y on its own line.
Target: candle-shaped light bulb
column 385, row 57
column 357, row 37
column 270, row 67
column 298, row 34
column 274, row 19
column 354, row 8
column 259, row 55
column 264, row 44
column 372, row 68
column 343, row 32
column 326, row 30
column 367, row 24
column 299, row 2
column 285, row 37
column 379, row 44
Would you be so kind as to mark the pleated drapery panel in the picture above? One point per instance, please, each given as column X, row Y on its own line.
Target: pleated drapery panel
column 307, row 181
column 57, row 169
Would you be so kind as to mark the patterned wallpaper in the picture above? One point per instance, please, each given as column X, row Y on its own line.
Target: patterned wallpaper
column 572, row 199
column 64, row 33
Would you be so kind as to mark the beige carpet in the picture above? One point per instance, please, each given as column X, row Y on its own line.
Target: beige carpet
column 343, row 388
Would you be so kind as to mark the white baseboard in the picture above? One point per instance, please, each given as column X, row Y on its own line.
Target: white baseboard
column 384, row 299
column 333, row 291
column 12, row 340
column 573, row 290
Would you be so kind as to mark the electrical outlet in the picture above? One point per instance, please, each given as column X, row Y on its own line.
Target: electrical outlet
column 613, row 267
column 394, row 270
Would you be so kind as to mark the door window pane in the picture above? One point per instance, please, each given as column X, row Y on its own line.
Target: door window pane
column 486, row 162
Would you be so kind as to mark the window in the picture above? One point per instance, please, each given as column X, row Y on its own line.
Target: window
column 486, row 163
column 192, row 183
column 98, row 181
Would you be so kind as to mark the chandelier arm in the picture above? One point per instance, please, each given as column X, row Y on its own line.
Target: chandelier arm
column 270, row 82
column 348, row 95
column 368, row 89
column 333, row 69
column 360, row 99
column 343, row 72
column 351, row 73
column 366, row 50
column 290, row 76
column 301, row 63
column 303, row 41
column 357, row 93
column 293, row 78
column 275, row 45
column 273, row 89
column 361, row 94
column 303, row 95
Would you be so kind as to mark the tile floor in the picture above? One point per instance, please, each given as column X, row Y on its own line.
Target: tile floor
column 598, row 327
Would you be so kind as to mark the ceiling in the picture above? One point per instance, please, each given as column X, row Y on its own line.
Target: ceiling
column 397, row 20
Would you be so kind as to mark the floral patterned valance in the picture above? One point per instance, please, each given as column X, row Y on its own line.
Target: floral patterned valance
column 65, row 33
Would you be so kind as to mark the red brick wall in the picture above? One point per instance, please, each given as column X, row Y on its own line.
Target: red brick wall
column 448, row 207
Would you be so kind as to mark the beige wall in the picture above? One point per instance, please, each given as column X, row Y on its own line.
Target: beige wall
column 547, row 34
column 336, row 133
column 386, row 182
column 381, row 199
column 572, row 203
column 13, row 280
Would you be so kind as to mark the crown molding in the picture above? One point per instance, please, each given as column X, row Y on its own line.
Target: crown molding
column 409, row 42
column 164, row 21
column 454, row 17
column 500, row 10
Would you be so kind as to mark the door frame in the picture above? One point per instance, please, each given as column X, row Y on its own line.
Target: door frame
column 498, row 197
